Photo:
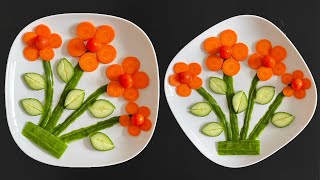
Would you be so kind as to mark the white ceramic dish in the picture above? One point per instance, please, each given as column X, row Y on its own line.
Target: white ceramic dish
column 130, row 40
column 249, row 29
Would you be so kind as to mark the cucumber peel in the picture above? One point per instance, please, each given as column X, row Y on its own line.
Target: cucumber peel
column 282, row 119
column 74, row 99
column 65, row 70
column 32, row 106
column 218, row 85
column 34, row 80
column 201, row 109
column 241, row 147
column 240, row 102
column 212, row 129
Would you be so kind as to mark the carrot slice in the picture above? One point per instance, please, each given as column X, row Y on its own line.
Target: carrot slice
column 145, row 111
column 29, row 38
column 46, row 54
column 105, row 34
column 55, row 40
column 306, row 83
column 183, row 90
column 88, row 62
column 31, row 53
column 214, row 62
column 76, row 47
column 195, row 69
column 114, row 71
column 131, row 94
column 125, row 120
column 228, row 37
column 297, row 74
column 288, row 91
column 86, row 31
column 231, row 67
column 140, row 80
column 240, row 51
column 300, row 94
column 263, row 47
column 131, row 65
column 43, row 30
column 264, row 73
column 180, row 67
column 174, row 80
column 255, row 61
column 146, row 125
column 196, row 83
column 287, row 78
column 106, row 54
column 279, row 68
column 212, row 45
column 134, row 130
column 114, row 89
column 279, row 53
column 132, row 108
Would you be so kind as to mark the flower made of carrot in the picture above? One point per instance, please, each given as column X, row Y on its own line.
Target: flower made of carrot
column 126, row 79
column 297, row 84
column 267, row 60
column 186, row 78
column 230, row 52
column 92, row 46
column 40, row 43
column 137, row 119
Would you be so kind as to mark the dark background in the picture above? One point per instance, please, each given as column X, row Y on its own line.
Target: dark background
column 170, row 26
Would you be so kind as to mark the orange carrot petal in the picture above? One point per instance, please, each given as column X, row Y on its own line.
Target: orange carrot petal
column 43, row 30
column 286, row 78
column 76, row 47
column 288, row 91
column 212, row 45
column 279, row 68
column 106, row 54
column 174, row 80
column 183, row 90
column 132, row 108
column 105, row 34
column 228, row 37
column 195, row 69
column 180, row 67
column 279, row 53
column 114, row 71
column 88, row 62
column 231, row 67
column 134, row 130
column 146, row 125
column 297, row 74
column 125, row 120
column 85, row 31
column 114, row 89
column 255, row 61
column 263, row 47
column 145, row 111
column 196, row 83
column 29, row 38
column 55, row 40
column 240, row 51
column 306, row 83
column 131, row 94
column 46, row 54
column 264, row 73
column 300, row 94
column 31, row 53
column 140, row 80
column 131, row 65
column 214, row 62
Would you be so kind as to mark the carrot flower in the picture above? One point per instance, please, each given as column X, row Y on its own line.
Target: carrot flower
column 296, row 84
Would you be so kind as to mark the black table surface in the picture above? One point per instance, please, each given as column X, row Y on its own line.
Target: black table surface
column 170, row 26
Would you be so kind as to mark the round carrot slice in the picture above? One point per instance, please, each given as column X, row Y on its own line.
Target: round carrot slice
column 297, row 74
column 228, row 37
column 264, row 73
column 131, row 65
column 106, row 54
column 140, row 80
column 255, row 61
column 212, row 45
column 306, row 83
column 196, row 83
column 55, row 40
column 125, row 120
column 85, row 31
column 195, row 69
column 286, row 78
column 131, row 94
column 279, row 68
column 88, row 62
column 134, row 130
column 183, row 90
column 279, row 53
column 105, row 34
column 288, row 91
column 132, row 108
column 231, row 67
column 46, row 54
column 114, row 71
column 43, row 30
column 180, row 67
column 146, row 125
column 29, row 38
column 214, row 62
column 240, row 51
column 263, row 47
column 31, row 53
column 114, row 89
column 174, row 80
column 145, row 111
column 300, row 94
column 76, row 47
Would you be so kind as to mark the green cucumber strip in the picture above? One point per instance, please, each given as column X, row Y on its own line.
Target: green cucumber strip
column 212, row 129
column 34, row 80
column 101, row 142
column 265, row 94
column 65, row 70
column 74, row 99
column 201, row 109
column 282, row 119
column 218, row 111
column 240, row 102
column 101, row 108
column 264, row 121
column 44, row 139
column 86, row 131
column 241, row 147
column 58, row 110
column 248, row 113
column 233, row 114
column 48, row 94
column 217, row 85
column 78, row 112
column 32, row 106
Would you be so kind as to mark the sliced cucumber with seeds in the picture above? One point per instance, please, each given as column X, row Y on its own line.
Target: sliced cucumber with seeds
column 265, row 94
column 32, row 106
column 65, row 70
column 34, row 80
column 74, row 99
column 101, row 108
column 201, row 109
column 240, row 102
column 282, row 119
column 101, row 142
column 218, row 85
column 212, row 129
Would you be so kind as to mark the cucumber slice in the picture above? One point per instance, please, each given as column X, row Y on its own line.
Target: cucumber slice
column 74, row 99
column 201, row 109
column 265, row 94
column 218, row 85
column 282, row 119
column 34, row 80
column 101, row 108
column 32, row 106
column 101, row 142
column 65, row 70
column 240, row 102
column 212, row 129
